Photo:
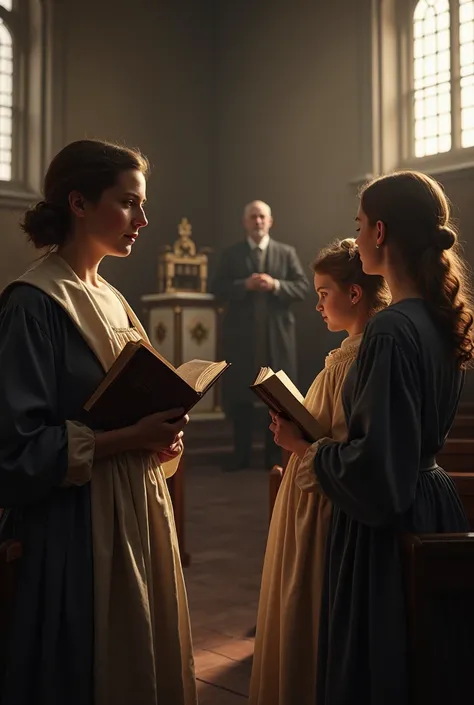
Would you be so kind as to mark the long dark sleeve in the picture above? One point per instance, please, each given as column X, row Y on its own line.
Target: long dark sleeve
column 33, row 443
column 295, row 286
column 372, row 477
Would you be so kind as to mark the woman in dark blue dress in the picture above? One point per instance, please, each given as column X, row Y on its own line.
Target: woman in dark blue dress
column 400, row 399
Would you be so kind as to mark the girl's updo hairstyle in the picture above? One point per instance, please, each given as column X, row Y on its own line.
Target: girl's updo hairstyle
column 341, row 261
column 86, row 166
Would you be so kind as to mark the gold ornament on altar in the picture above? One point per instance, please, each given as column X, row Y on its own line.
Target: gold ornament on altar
column 199, row 333
column 160, row 332
column 181, row 267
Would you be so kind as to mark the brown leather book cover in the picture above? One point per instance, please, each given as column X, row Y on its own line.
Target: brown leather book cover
column 279, row 393
column 142, row 382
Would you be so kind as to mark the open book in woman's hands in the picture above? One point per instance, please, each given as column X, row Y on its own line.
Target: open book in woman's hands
column 280, row 394
column 143, row 382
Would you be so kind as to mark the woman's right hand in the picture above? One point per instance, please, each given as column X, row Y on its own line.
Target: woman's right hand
column 156, row 432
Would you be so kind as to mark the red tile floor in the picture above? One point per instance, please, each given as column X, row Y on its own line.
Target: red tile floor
column 226, row 530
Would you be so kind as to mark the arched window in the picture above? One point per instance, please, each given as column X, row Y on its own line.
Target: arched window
column 442, row 77
column 6, row 91
column 432, row 77
column 29, row 54
column 422, row 62
column 466, row 68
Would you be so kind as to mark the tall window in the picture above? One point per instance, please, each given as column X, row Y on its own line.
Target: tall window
column 29, row 54
column 442, row 76
column 6, row 92
column 466, row 61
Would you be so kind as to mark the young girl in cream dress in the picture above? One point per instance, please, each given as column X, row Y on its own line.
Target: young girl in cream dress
column 285, row 658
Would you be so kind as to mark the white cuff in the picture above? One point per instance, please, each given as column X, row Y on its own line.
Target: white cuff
column 80, row 452
column 305, row 477
column 276, row 286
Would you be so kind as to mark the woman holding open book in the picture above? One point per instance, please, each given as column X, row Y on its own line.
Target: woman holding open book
column 286, row 641
column 400, row 399
column 100, row 614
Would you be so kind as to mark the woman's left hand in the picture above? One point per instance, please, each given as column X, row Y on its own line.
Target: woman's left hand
column 172, row 452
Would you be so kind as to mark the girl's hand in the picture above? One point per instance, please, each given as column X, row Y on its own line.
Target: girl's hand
column 287, row 435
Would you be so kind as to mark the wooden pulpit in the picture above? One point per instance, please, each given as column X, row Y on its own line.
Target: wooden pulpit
column 182, row 323
column 183, row 326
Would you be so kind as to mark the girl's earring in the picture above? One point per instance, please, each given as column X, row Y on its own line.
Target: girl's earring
column 377, row 246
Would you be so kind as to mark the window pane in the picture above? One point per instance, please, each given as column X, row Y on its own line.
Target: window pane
column 442, row 21
column 466, row 32
column 467, row 96
column 467, row 123
column 466, row 11
column 431, row 146
column 466, row 55
column 468, row 138
column 6, row 101
column 468, row 118
column 419, row 110
column 432, row 77
column 6, row 123
column 5, row 172
column 444, row 143
column 431, row 106
column 444, row 98
column 443, row 39
column 5, row 142
column 444, row 124
column 419, row 130
column 444, row 61
column 431, row 8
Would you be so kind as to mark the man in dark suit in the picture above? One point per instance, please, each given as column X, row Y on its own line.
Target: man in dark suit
column 258, row 280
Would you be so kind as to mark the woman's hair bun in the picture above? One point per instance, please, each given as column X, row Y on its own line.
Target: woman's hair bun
column 445, row 238
column 46, row 224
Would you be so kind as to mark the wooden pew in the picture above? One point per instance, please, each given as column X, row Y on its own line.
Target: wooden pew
column 439, row 577
column 463, row 426
column 457, row 455
column 457, row 458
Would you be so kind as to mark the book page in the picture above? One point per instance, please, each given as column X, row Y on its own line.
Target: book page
column 264, row 373
column 191, row 371
column 283, row 377
column 208, row 376
column 200, row 374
